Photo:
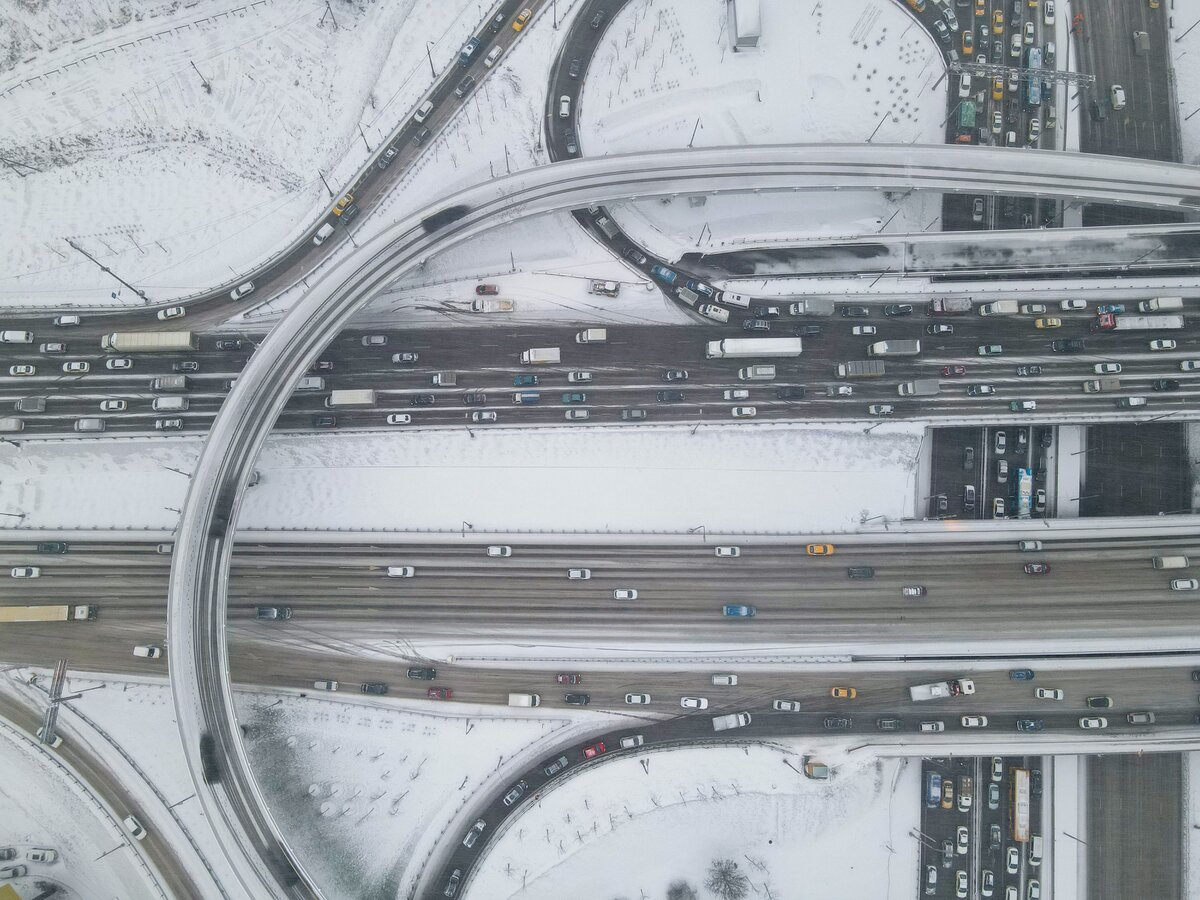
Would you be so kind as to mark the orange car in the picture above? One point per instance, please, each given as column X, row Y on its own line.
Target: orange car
column 819, row 549
column 843, row 693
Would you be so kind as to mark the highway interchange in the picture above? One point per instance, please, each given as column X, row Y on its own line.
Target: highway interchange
column 528, row 592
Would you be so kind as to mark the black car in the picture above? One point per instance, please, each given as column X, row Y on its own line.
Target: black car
column 888, row 724
column 1025, row 371
column 498, row 22
column 321, row 365
column 324, row 421
column 553, row 768
column 1030, row 724
column 418, row 139
column 635, row 256
column 898, row 309
column 675, row 375
column 1045, row 437
column 598, row 20
column 1099, row 702
column 633, row 413
column 940, row 328
column 351, row 213
column 422, row 400
column 475, row 399
column 386, row 160
column 575, row 67
column 464, row 86
column 569, row 142
column 52, row 547
column 577, row 699
column 838, row 723
column 1035, row 782
column 185, row 366
column 1068, row 345
column 968, row 457
column 372, row 687
column 947, row 854
column 272, row 613
column 422, row 674
column 790, row 393
column 1165, row 384
column 756, row 325
column 229, row 345
column 861, row 571
column 670, row 396
column 806, row 331
column 855, row 312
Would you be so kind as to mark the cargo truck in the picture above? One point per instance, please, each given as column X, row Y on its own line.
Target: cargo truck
column 953, row 688
column 1155, row 304
column 1113, row 322
column 80, row 613
column 810, row 306
column 592, row 336
column 735, row 348
column 444, row 379
column 605, row 288
column 169, row 383
column 894, row 348
column 491, row 306
column 1000, row 308
column 350, row 399
column 920, row 387
column 948, row 306
column 540, row 356
column 1099, row 385
column 147, row 341
column 733, row 720
column 862, row 368
column 524, row 700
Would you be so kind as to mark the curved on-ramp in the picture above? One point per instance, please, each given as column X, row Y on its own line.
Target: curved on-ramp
column 240, row 818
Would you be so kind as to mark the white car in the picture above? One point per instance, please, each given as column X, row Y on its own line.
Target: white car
column 25, row 572
column 147, row 651
column 499, row 550
column 374, row 340
column 401, row 571
column 1093, row 722
column 932, row 727
column 693, row 702
column 974, row 721
column 964, row 85
column 997, row 123
column 135, row 828
column 22, row 370
column 399, row 419
column 1072, row 304
column 1118, row 97
column 1185, row 584
column 1028, row 33
column 241, row 290
column 1190, row 365
column 579, row 377
column 1012, row 860
column 744, row 412
column 997, row 768
column 729, row 552
column 77, row 367
column 737, row 394
column 1033, row 309
column 625, row 594
column 325, row 685
column 483, row 416
column 786, row 705
column 637, row 699
column 1163, row 344
column 113, row 405
column 1035, row 890
column 118, row 363
column 579, row 574
column 1048, row 693
column 1029, row 545
column 564, row 107
column 1107, row 368
column 42, row 855
column 171, row 312
column 861, row 330
column 575, row 415
column 963, row 841
column 1048, row 12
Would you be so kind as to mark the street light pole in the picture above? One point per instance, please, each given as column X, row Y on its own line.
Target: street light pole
column 429, row 53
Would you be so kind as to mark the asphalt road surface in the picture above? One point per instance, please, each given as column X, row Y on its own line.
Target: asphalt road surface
column 1135, row 816
column 1156, row 451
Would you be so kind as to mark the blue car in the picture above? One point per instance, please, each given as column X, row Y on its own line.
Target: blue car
column 738, row 611
column 1021, row 674
column 1110, row 308
column 525, row 380
column 574, row 397
column 1030, row 724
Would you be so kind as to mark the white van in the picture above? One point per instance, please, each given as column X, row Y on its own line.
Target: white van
column 725, row 680
column 89, row 423
column 9, row 424
column 423, row 111
column 311, row 383
column 169, row 404
column 1170, row 562
column 490, row 59
column 147, row 651
column 322, row 233
column 16, row 337
column 716, row 313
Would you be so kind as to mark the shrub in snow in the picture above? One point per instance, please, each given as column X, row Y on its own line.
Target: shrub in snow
column 681, row 890
column 726, row 881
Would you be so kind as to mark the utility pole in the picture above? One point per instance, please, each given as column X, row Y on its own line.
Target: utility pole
column 428, row 53
column 694, row 130
column 204, row 82
column 105, row 269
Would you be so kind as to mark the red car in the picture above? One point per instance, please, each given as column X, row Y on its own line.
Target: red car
column 1037, row 568
column 439, row 693
column 594, row 750
column 487, row 288
column 954, row 370
column 569, row 679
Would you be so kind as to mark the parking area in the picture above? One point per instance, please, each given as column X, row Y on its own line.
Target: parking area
column 1136, row 470
column 976, row 472
column 968, row 844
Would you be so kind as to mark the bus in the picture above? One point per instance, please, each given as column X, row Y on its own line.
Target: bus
column 1033, row 89
column 1019, row 796
column 1024, row 492
column 966, row 116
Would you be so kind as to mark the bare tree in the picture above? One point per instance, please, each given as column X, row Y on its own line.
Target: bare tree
column 726, row 881
column 681, row 890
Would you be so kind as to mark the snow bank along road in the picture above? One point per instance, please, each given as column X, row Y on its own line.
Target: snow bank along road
column 199, row 665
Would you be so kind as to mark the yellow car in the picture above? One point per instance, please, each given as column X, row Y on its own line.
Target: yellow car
column 998, row 22
column 819, row 549
column 1052, row 322
column 523, row 19
column 997, row 88
column 968, row 43
column 841, row 693
column 343, row 202
column 981, row 7
column 1154, row 4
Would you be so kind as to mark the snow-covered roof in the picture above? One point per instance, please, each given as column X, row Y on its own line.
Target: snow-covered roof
column 747, row 16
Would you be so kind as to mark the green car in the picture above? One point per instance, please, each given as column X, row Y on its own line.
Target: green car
column 575, row 397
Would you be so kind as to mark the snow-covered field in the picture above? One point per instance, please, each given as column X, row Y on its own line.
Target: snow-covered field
column 1185, row 59
column 633, row 826
column 669, row 79
column 786, row 478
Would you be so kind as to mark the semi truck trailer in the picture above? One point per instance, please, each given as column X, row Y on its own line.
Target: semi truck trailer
column 941, row 689
column 740, row 348
column 81, row 613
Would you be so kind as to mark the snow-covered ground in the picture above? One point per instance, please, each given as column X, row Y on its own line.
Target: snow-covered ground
column 786, row 478
column 665, row 77
column 633, row 826
column 1185, row 59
